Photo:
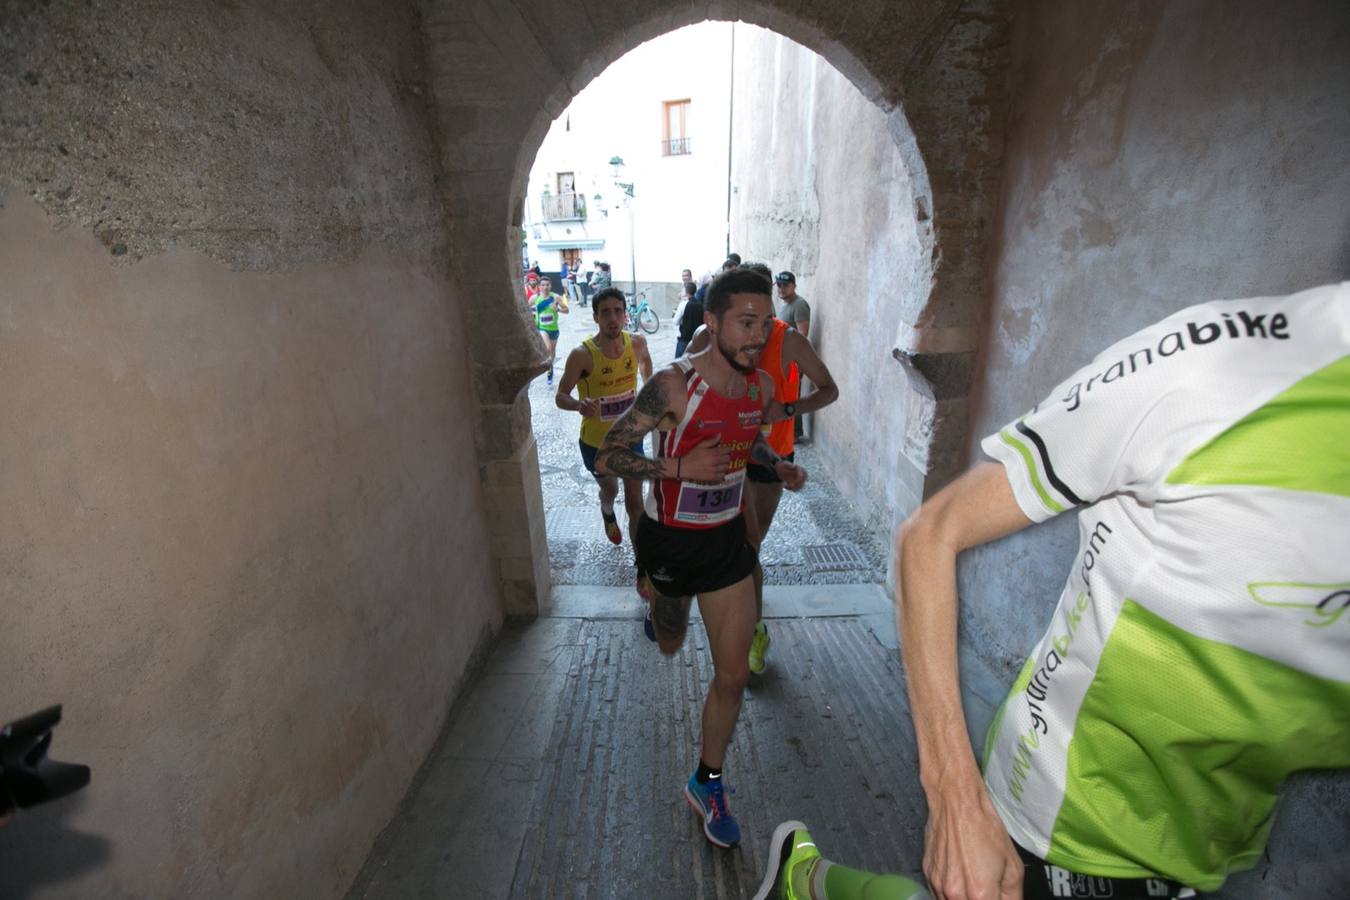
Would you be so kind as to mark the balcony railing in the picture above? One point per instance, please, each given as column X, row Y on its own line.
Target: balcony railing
column 563, row 207
column 677, row 147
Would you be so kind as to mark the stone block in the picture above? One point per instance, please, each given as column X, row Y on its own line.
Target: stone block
column 520, row 597
column 502, row 385
column 504, row 429
column 949, row 374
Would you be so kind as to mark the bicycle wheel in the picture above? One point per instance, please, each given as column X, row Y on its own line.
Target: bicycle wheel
column 649, row 320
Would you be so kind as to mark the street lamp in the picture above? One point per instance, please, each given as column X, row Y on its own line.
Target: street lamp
column 616, row 166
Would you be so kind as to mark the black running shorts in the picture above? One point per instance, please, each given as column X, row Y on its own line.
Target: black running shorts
column 684, row 561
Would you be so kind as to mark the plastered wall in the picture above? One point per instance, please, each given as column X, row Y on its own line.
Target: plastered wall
column 1158, row 155
column 820, row 189
column 242, row 533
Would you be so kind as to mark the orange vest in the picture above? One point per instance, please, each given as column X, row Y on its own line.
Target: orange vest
column 785, row 390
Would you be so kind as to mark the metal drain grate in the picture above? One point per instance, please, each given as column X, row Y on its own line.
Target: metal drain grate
column 833, row 557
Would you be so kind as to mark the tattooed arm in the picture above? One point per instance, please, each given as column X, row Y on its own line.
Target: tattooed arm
column 660, row 402
column 616, row 456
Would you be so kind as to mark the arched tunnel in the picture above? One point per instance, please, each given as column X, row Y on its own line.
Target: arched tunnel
column 269, row 495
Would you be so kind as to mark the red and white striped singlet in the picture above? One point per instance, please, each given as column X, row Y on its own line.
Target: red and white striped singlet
column 686, row 504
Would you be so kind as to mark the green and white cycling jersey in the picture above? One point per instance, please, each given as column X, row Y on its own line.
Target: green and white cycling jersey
column 1200, row 650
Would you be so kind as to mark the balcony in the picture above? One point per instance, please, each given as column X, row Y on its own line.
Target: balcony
column 565, row 207
column 677, row 147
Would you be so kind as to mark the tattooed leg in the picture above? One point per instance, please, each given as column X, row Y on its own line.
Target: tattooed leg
column 670, row 618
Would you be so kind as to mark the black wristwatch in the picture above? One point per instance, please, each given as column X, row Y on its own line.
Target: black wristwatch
column 789, row 409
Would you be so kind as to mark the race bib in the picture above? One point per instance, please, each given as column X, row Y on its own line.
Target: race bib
column 546, row 318
column 613, row 407
column 707, row 504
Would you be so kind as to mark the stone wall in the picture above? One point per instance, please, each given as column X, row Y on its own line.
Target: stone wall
column 821, row 190
column 242, row 536
column 942, row 61
column 1158, row 155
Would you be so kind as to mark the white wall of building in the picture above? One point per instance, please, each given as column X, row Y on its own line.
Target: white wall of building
column 679, row 209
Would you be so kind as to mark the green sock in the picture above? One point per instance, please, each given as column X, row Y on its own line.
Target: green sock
column 842, row 883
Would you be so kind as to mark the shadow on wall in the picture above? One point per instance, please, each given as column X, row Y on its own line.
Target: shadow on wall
column 50, row 849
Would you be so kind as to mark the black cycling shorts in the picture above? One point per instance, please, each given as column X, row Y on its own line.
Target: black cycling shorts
column 681, row 562
column 1043, row 881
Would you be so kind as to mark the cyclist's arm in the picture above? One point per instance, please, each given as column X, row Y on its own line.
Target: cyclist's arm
column 967, row 852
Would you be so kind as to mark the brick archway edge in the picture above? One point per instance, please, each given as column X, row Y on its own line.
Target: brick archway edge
column 502, row 70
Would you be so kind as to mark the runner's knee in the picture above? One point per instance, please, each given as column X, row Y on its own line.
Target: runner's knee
column 733, row 676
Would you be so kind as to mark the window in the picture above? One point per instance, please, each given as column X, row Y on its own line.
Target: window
column 675, row 128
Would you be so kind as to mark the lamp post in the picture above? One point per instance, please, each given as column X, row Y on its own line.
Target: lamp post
column 616, row 165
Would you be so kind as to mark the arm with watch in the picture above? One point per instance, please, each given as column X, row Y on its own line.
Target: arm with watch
column 797, row 349
column 792, row 475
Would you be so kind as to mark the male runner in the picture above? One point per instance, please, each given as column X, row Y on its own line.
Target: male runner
column 1198, row 655
column 787, row 354
column 708, row 409
column 605, row 370
column 547, row 305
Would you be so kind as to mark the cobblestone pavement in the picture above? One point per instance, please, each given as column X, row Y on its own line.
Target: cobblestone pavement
column 814, row 539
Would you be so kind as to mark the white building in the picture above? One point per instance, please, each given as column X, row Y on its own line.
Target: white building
column 664, row 109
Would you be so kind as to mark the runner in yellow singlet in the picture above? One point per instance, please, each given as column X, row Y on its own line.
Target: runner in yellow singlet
column 604, row 370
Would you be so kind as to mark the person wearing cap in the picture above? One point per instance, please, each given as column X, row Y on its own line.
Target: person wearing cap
column 796, row 312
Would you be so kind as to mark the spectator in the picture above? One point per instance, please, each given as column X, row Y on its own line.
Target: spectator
column 687, row 318
column 602, row 278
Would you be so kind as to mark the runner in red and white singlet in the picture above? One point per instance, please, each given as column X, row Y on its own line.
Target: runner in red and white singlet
column 735, row 424
column 786, row 357
column 707, row 409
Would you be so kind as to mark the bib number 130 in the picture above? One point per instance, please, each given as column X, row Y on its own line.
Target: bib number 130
column 704, row 504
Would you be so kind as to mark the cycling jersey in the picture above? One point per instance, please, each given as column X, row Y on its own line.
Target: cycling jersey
column 612, row 382
column 1200, row 651
column 688, row 504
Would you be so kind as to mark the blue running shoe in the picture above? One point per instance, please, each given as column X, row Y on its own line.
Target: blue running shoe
column 709, row 801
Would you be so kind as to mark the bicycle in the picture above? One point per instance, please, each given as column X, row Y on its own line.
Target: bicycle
column 640, row 313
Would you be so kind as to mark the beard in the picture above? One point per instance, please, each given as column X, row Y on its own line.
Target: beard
column 730, row 357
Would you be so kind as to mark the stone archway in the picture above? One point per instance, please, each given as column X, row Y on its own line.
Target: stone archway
column 501, row 72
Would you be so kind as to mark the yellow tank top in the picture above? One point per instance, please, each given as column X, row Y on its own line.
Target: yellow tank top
column 611, row 381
